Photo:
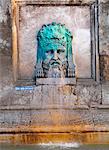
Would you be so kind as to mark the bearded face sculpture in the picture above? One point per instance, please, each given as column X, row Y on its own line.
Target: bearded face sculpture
column 55, row 63
column 54, row 52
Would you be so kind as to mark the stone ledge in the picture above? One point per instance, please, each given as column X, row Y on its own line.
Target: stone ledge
column 69, row 2
column 56, row 129
column 78, row 81
column 27, row 82
column 55, row 106
column 43, row 108
column 56, row 81
column 100, row 106
column 87, row 81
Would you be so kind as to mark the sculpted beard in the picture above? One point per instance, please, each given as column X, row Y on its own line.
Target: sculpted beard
column 54, row 68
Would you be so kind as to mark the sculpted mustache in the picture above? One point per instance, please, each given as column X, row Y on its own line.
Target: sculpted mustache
column 52, row 62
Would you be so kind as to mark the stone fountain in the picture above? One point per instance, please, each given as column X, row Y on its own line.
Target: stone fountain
column 55, row 64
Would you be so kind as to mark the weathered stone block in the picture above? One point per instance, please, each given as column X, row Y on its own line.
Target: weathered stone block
column 36, row 101
column 61, row 117
column 104, row 68
column 6, row 79
column 54, row 96
column 105, row 93
column 2, row 118
column 89, row 94
column 104, row 28
column 11, row 118
column 48, row 95
column 68, row 97
column 100, row 116
column 16, row 98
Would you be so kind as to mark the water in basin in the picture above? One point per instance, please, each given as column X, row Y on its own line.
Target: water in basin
column 50, row 146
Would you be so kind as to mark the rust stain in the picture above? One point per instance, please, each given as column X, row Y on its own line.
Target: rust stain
column 36, row 138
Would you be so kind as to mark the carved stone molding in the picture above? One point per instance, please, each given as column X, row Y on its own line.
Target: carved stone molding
column 94, row 21
column 55, row 2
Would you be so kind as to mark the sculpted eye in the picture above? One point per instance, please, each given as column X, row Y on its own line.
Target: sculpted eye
column 49, row 52
column 52, row 51
column 60, row 51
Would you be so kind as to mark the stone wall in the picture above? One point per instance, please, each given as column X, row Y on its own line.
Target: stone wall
column 104, row 40
column 5, row 47
column 84, row 103
column 104, row 48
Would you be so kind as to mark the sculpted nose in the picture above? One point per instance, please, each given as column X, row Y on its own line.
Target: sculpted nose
column 55, row 56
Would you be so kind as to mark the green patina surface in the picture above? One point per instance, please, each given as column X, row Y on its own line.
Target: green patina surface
column 54, row 52
column 53, row 36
